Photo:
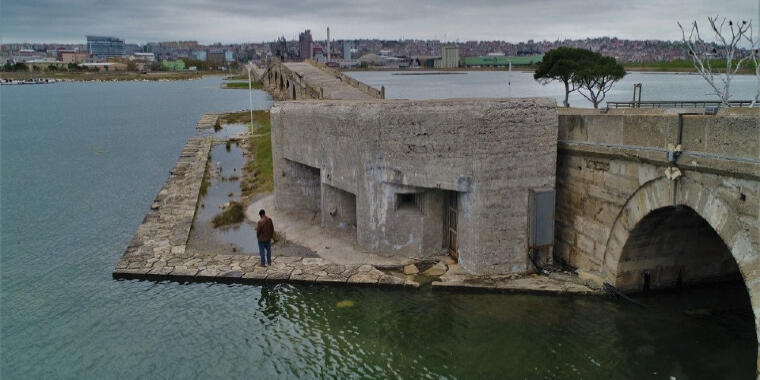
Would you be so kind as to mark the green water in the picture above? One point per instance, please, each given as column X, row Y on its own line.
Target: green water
column 80, row 166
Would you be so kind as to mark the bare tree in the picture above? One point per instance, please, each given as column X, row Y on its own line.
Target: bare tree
column 728, row 36
column 754, row 57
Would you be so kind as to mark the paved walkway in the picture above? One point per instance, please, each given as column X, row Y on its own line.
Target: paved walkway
column 334, row 88
column 303, row 228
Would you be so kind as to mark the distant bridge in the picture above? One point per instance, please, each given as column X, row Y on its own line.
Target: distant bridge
column 312, row 80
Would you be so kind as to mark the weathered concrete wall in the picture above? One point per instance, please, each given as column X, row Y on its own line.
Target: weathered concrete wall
column 490, row 151
column 339, row 207
column 299, row 189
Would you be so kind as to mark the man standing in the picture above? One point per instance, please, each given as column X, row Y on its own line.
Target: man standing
column 264, row 232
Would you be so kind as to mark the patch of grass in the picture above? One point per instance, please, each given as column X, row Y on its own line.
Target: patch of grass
column 259, row 176
column 234, row 213
column 243, row 85
column 236, row 117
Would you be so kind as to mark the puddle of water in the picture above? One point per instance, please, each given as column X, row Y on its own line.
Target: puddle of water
column 225, row 170
column 227, row 131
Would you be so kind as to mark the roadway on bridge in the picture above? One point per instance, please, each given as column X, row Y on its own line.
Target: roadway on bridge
column 333, row 87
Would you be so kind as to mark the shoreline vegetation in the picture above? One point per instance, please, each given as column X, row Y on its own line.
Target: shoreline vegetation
column 676, row 66
column 89, row 76
column 242, row 85
column 240, row 80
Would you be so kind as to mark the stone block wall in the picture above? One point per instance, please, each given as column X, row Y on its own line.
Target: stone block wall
column 611, row 174
column 490, row 151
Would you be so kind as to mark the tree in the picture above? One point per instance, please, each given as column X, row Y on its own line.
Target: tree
column 595, row 76
column 560, row 64
column 727, row 36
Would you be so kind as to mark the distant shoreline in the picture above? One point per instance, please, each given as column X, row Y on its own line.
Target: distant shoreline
column 115, row 76
column 638, row 69
column 433, row 73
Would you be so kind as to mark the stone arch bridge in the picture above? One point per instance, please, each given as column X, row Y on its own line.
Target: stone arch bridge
column 658, row 199
column 312, row 80
column 645, row 199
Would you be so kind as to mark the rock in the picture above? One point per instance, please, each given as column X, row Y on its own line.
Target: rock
column 314, row 261
column 366, row 268
column 368, row 277
column 390, row 280
column 436, row 270
column 331, row 278
column 411, row 269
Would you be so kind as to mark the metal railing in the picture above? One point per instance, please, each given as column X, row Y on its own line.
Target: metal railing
column 678, row 104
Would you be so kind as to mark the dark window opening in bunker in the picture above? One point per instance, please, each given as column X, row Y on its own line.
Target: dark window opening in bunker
column 408, row 201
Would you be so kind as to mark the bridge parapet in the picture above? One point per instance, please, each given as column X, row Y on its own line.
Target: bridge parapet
column 724, row 143
column 369, row 90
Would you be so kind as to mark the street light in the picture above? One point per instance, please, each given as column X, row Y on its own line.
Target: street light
column 249, row 67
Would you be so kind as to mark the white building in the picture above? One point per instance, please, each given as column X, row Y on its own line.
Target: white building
column 449, row 58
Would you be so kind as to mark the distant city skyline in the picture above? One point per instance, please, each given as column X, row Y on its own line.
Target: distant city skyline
column 235, row 21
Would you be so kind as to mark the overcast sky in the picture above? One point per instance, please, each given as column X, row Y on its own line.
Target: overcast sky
column 208, row 21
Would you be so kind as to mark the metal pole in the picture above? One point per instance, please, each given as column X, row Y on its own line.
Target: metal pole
column 509, row 80
column 250, row 92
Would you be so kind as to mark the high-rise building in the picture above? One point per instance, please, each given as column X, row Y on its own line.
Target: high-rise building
column 346, row 50
column 305, row 45
column 216, row 56
column 279, row 48
column 329, row 58
column 106, row 47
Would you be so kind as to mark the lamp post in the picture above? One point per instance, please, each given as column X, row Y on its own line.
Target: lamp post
column 250, row 91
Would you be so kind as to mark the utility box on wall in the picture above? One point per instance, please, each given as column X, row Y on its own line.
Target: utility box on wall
column 541, row 229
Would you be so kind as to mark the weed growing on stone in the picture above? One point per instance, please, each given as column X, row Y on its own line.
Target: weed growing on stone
column 234, row 213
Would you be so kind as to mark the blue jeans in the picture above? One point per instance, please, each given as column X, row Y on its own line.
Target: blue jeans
column 265, row 246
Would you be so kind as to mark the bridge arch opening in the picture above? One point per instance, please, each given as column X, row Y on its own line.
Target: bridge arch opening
column 685, row 234
column 673, row 247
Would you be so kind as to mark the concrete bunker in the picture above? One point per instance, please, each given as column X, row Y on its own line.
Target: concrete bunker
column 420, row 178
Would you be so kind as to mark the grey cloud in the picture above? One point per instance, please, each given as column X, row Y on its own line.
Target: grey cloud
column 245, row 20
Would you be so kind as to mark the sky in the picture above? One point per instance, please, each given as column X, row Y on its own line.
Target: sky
column 232, row 21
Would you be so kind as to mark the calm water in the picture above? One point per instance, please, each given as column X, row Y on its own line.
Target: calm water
column 655, row 86
column 80, row 165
